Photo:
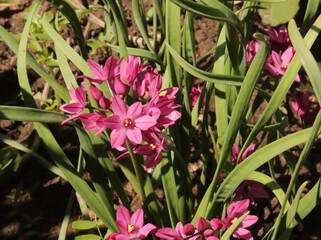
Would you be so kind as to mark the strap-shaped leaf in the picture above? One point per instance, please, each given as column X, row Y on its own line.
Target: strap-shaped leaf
column 71, row 15
column 13, row 44
column 236, row 119
column 210, row 77
column 217, row 11
column 50, row 142
column 283, row 87
column 44, row 162
column 228, row 233
column 63, row 45
column 140, row 24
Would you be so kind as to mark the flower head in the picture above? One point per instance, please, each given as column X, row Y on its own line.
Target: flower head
column 130, row 225
column 127, row 123
column 235, row 211
column 76, row 105
column 103, row 73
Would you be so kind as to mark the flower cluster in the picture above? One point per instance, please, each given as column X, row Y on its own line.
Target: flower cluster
column 140, row 123
column 281, row 55
column 247, row 189
column 305, row 108
column 132, row 226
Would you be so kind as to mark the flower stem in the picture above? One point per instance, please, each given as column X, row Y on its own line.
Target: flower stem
column 138, row 171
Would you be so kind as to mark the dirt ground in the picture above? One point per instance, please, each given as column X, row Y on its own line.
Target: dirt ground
column 33, row 201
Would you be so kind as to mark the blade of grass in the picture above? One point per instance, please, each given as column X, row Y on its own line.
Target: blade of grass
column 210, row 77
column 71, row 15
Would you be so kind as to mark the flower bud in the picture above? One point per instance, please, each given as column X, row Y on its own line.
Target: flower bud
column 208, row 233
column 104, row 102
column 201, row 224
column 95, row 93
column 188, row 229
column 216, row 224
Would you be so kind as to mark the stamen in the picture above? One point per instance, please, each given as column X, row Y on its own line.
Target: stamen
column 163, row 93
column 152, row 146
column 127, row 122
column 73, row 101
column 130, row 228
column 234, row 220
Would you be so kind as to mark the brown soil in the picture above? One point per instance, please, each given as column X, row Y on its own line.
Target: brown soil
column 33, row 201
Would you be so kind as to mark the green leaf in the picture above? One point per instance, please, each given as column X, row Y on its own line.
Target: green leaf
column 283, row 87
column 274, row 13
column 218, row 11
column 63, row 45
column 46, row 164
column 88, row 237
column 71, row 15
column 228, row 233
column 238, row 114
column 210, row 77
column 295, row 204
column 269, row 183
column 13, row 44
column 9, row 161
column 83, row 224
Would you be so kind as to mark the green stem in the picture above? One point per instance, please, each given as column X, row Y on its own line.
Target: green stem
column 137, row 169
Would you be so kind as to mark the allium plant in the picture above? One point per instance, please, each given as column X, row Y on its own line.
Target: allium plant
column 141, row 114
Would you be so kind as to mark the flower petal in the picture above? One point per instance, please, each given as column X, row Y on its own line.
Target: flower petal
column 145, row 122
column 137, row 218
column 113, row 122
column 123, row 214
column 134, row 135
column 117, row 137
column 119, row 106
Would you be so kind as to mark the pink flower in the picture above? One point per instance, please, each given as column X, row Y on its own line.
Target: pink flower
column 103, row 73
column 236, row 151
column 235, row 211
column 119, row 87
column 177, row 234
column 280, row 39
column 195, row 93
column 201, row 224
column 302, row 104
column 131, row 226
column 153, row 149
column 280, row 63
column 127, row 123
column 130, row 69
column 216, row 224
column 251, row 50
column 250, row 190
column 93, row 122
column 76, row 105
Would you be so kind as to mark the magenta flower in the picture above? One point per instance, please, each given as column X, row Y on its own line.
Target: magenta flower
column 280, row 63
column 131, row 226
column 235, row 211
column 250, row 190
column 175, row 234
column 302, row 104
column 280, row 39
column 195, row 93
column 93, row 122
column 103, row 73
column 251, row 50
column 153, row 149
column 129, row 69
column 236, row 151
column 127, row 123
column 76, row 105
